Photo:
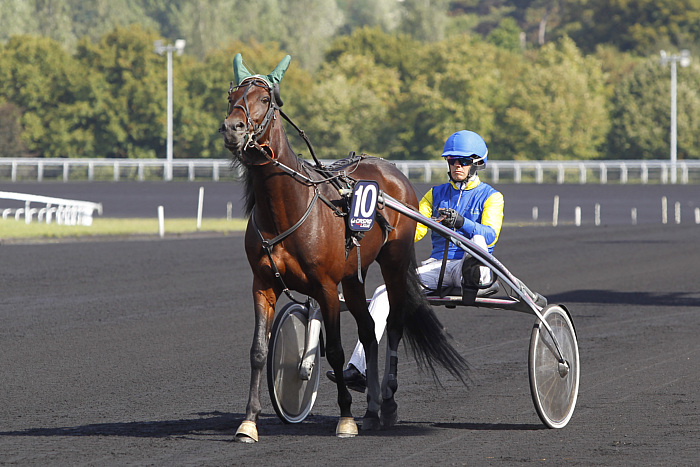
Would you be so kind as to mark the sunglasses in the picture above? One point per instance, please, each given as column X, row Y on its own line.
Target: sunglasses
column 463, row 161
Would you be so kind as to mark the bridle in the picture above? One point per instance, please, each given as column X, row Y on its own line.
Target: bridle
column 255, row 131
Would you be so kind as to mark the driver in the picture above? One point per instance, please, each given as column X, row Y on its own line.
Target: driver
column 465, row 204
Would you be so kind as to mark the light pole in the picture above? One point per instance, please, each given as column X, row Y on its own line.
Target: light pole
column 684, row 59
column 179, row 47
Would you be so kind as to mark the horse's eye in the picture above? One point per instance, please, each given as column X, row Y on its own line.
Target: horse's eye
column 265, row 99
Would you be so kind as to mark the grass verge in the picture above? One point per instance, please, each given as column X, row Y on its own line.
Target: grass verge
column 12, row 229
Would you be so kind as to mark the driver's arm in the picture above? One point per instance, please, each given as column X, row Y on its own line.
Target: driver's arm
column 425, row 207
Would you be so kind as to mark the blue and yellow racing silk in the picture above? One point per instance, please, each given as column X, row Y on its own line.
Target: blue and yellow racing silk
column 480, row 205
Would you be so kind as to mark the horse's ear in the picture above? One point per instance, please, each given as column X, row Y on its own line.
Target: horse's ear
column 240, row 72
column 278, row 72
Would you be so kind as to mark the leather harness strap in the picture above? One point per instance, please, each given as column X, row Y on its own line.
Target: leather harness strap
column 269, row 244
column 442, row 270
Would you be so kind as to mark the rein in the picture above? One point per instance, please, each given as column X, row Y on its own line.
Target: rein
column 329, row 176
column 304, row 137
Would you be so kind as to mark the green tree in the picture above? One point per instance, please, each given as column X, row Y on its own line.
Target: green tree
column 350, row 106
column 506, row 35
column 641, row 26
column 641, row 113
column 262, row 21
column 424, row 20
column 393, row 58
column 391, row 50
column 200, row 22
column 462, row 83
column 52, row 90
column 130, row 115
column 309, row 26
column 370, row 13
column 542, row 17
column 538, row 19
column 480, row 16
column 616, row 65
column 558, row 108
column 96, row 18
column 68, row 21
column 16, row 18
column 53, row 19
column 11, row 143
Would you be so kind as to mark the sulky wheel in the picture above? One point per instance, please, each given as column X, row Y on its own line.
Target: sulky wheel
column 553, row 384
column 292, row 397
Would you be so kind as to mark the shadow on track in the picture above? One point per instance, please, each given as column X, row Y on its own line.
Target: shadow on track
column 613, row 297
column 492, row 426
column 218, row 422
column 212, row 421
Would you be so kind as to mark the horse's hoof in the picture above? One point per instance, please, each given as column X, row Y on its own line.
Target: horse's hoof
column 347, row 428
column 371, row 424
column 247, row 432
column 389, row 413
column 244, row 439
column 389, row 420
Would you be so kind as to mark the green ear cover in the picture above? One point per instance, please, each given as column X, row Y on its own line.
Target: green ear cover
column 278, row 72
column 240, row 72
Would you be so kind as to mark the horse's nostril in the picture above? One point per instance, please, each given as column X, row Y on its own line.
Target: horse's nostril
column 236, row 126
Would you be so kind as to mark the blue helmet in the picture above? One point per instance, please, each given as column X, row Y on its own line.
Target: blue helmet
column 466, row 143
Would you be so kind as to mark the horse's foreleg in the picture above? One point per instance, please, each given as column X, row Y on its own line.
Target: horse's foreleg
column 369, row 336
column 264, row 301
column 330, row 307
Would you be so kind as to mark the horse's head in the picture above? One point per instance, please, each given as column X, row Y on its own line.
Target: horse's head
column 252, row 105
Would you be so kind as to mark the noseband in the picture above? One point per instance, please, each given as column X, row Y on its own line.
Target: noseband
column 255, row 131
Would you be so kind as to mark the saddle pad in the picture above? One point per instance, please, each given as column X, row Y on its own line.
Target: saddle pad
column 341, row 164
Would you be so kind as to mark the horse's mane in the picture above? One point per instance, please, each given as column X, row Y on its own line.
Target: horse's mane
column 248, row 194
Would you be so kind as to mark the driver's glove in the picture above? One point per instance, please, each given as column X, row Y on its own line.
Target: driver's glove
column 451, row 218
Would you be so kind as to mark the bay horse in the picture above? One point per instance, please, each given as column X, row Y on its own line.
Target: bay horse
column 294, row 242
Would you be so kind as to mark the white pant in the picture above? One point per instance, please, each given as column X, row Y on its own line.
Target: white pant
column 429, row 273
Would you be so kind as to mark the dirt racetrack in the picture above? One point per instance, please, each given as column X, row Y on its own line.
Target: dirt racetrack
column 136, row 352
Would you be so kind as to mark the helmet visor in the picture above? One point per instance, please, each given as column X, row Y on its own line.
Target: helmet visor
column 463, row 161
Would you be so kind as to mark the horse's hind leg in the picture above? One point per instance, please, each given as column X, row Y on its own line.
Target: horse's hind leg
column 395, row 278
column 264, row 311
column 390, row 383
column 357, row 304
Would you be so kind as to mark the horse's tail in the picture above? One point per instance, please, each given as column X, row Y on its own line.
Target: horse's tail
column 428, row 339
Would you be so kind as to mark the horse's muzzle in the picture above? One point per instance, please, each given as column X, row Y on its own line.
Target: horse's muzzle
column 234, row 133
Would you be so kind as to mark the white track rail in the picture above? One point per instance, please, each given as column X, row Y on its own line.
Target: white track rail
column 62, row 211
